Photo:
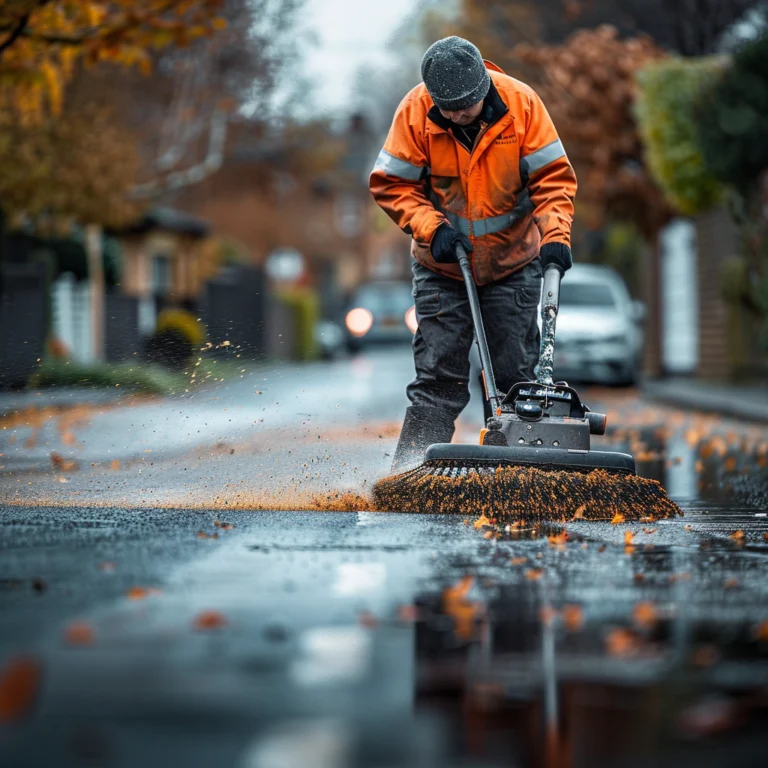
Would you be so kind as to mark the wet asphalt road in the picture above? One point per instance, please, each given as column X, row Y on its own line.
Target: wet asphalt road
column 358, row 638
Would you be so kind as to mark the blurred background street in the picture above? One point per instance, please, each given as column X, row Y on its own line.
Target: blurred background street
column 205, row 339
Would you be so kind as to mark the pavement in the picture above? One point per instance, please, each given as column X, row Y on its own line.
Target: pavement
column 738, row 401
column 182, row 589
column 13, row 401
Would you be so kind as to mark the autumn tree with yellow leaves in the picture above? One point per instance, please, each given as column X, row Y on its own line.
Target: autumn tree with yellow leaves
column 161, row 79
column 41, row 41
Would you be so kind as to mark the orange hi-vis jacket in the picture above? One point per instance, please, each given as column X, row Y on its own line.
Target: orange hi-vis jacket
column 511, row 194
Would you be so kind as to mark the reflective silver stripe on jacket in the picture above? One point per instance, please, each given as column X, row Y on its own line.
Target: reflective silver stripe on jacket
column 394, row 166
column 541, row 157
column 491, row 224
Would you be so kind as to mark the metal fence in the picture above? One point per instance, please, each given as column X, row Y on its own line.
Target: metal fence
column 234, row 309
column 23, row 320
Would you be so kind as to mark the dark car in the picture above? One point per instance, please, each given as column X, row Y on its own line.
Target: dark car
column 381, row 311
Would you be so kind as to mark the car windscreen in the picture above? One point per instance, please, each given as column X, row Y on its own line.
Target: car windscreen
column 586, row 295
column 384, row 299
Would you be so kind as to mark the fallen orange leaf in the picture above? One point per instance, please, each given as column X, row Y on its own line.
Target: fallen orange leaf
column 617, row 518
column 206, row 620
column 738, row 537
column 481, row 522
column 204, row 535
column 463, row 611
column 645, row 615
column 579, row 513
column 19, row 686
column 705, row 656
column 68, row 437
column 367, row 620
column 547, row 615
column 649, row 531
column 140, row 593
column 63, row 465
column 518, row 560
column 621, row 642
column 79, row 633
column 115, row 464
column 573, row 617
column 558, row 541
column 534, row 574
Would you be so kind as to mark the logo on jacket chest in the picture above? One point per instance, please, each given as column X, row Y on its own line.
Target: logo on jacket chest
column 510, row 138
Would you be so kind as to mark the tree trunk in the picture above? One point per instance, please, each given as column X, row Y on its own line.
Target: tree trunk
column 93, row 241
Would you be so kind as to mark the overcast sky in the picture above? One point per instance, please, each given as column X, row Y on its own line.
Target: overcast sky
column 349, row 33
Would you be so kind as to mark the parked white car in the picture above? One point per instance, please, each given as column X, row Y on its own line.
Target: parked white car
column 599, row 328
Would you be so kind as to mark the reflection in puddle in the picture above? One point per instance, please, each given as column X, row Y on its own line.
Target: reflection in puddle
column 359, row 578
column 332, row 655
column 524, row 679
column 695, row 457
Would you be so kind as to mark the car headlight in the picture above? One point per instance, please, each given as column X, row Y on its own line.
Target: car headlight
column 359, row 321
column 411, row 321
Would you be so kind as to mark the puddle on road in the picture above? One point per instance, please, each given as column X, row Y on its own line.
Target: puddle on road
column 647, row 661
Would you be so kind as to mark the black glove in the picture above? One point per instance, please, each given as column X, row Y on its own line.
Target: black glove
column 444, row 242
column 556, row 254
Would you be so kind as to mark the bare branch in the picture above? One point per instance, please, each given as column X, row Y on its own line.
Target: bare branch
column 19, row 29
column 15, row 33
column 217, row 136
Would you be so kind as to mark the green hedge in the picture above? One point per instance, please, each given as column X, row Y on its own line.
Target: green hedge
column 130, row 376
column 305, row 308
column 666, row 109
column 733, row 119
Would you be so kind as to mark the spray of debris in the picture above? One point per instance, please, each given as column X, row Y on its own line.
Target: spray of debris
column 512, row 494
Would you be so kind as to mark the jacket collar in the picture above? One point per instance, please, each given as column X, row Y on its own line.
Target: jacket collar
column 493, row 110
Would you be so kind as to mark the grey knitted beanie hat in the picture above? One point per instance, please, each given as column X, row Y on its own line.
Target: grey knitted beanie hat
column 454, row 73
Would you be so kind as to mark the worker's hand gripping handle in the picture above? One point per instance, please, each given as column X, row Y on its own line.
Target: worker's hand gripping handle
column 550, row 304
column 482, row 345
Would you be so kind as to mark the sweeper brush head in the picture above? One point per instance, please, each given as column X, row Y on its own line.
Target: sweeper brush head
column 531, row 494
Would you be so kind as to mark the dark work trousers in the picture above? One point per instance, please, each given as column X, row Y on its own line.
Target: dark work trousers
column 445, row 335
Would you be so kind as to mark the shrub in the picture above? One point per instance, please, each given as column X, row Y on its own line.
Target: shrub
column 169, row 348
column 733, row 119
column 666, row 108
column 177, row 334
column 305, row 307
column 184, row 323
column 128, row 376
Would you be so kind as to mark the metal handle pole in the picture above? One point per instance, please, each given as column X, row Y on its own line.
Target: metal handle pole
column 550, row 304
column 477, row 319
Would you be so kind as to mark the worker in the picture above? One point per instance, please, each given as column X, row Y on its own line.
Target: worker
column 472, row 159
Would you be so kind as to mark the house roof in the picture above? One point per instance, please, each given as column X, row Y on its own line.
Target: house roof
column 170, row 220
